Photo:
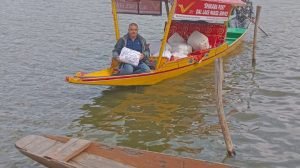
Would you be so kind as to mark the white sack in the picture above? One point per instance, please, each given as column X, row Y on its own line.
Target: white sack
column 181, row 50
column 166, row 54
column 182, row 47
column 130, row 56
column 179, row 55
column 155, row 47
column 198, row 41
column 176, row 38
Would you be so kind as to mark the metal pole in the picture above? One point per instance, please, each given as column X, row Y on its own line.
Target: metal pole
column 219, row 100
column 258, row 9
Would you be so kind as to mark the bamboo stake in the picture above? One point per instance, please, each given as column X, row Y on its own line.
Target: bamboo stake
column 258, row 9
column 219, row 100
column 222, row 70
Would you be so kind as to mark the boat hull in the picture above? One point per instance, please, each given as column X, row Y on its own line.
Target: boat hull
column 167, row 71
column 64, row 152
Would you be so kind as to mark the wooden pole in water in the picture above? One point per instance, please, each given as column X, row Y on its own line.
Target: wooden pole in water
column 258, row 9
column 221, row 115
column 222, row 69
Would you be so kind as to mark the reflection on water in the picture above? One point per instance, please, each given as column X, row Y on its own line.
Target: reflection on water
column 176, row 116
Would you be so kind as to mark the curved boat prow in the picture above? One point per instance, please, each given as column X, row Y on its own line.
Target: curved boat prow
column 81, row 75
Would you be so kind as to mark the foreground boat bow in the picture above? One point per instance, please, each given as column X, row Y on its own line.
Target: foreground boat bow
column 64, row 152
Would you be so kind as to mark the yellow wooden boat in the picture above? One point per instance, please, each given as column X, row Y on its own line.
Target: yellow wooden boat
column 223, row 40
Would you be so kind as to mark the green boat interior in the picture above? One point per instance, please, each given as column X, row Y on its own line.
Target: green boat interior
column 233, row 34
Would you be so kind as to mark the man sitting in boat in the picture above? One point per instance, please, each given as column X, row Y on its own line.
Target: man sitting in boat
column 134, row 41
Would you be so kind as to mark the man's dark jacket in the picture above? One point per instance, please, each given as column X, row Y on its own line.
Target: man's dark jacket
column 122, row 42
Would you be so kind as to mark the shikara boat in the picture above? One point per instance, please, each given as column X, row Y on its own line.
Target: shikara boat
column 65, row 152
column 183, row 18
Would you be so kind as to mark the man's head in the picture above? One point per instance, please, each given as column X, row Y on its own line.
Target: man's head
column 133, row 29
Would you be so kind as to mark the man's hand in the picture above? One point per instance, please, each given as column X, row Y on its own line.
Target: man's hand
column 142, row 56
column 117, row 59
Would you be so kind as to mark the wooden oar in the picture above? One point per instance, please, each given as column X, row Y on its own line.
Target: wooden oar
column 252, row 21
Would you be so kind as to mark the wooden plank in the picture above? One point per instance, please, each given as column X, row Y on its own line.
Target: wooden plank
column 44, row 146
column 61, row 139
column 69, row 150
column 53, row 149
column 37, row 143
column 93, row 161
column 25, row 141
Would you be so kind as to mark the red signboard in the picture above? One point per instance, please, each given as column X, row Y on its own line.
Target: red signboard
column 140, row 7
column 202, row 10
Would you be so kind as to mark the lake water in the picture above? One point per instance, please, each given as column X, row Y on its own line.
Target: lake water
column 43, row 41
